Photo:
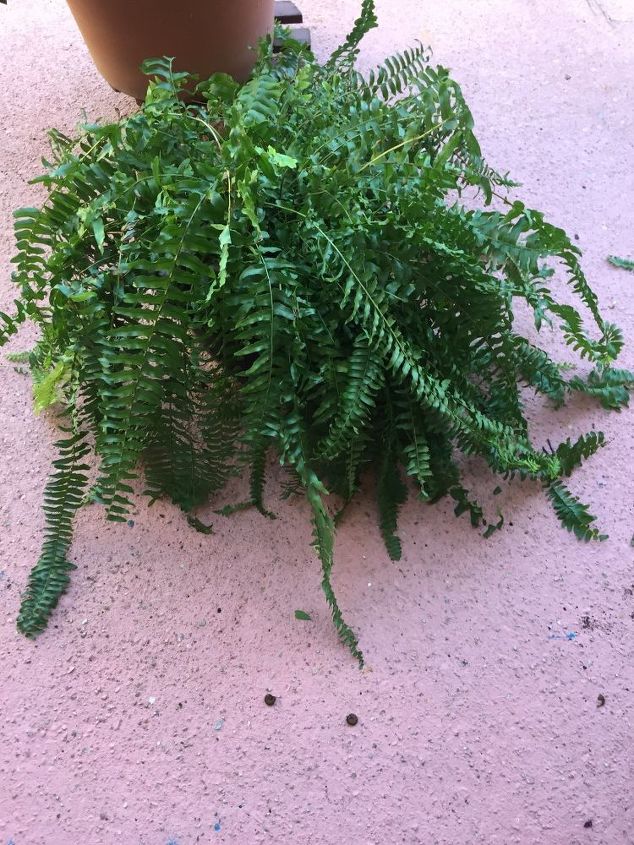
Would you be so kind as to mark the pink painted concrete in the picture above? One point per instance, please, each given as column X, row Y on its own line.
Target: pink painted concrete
column 138, row 718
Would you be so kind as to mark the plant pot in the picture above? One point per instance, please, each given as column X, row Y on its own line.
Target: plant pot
column 203, row 36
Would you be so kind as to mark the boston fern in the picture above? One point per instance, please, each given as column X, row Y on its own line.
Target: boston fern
column 287, row 265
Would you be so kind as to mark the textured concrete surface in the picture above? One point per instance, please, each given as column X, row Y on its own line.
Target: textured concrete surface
column 139, row 716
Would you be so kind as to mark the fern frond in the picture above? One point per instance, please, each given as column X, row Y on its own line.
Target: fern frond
column 257, row 462
column 610, row 386
column 444, row 472
column 258, row 100
column 294, row 452
column 391, row 494
column 364, row 377
column 293, row 486
column 539, row 370
column 49, row 385
column 193, row 443
column 62, row 498
column 409, row 421
column 147, row 342
column 18, row 357
column 347, row 53
column 571, row 455
column 324, row 535
column 9, row 325
column 572, row 513
column 397, row 73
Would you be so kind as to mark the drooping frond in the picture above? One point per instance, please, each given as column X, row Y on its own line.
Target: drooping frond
column 62, row 497
column 324, row 537
column 293, row 442
column 391, row 494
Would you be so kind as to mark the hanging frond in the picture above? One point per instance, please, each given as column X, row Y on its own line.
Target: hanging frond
column 62, row 497
column 391, row 494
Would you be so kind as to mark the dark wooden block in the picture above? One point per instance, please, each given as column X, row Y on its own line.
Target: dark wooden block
column 300, row 33
column 287, row 12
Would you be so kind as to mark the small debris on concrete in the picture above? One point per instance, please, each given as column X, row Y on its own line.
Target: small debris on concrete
column 218, row 724
column 588, row 823
column 600, row 700
column 352, row 719
column 270, row 699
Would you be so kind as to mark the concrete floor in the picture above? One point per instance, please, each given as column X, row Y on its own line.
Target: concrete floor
column 138, row 717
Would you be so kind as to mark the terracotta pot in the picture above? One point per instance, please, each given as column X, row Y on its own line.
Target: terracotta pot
column 203, row 36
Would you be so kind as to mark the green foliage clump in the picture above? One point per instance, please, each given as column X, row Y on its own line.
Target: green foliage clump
column 288, row 265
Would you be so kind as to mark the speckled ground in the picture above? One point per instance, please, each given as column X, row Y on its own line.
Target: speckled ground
column 139, row 716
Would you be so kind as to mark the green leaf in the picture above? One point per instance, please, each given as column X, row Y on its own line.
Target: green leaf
column 99, row 232
column 280, row 159
column 493, row 527
column 224, row 241
column 301, row 614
